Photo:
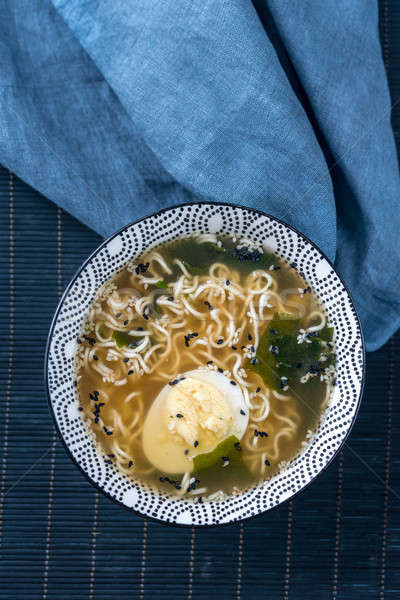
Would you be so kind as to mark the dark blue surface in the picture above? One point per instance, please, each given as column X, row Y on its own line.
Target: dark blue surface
column 61, row 540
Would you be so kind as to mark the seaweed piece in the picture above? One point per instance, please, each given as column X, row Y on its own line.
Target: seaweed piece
column 124, row 339
column 280, row 357
column 197, row 257
column 225, row 450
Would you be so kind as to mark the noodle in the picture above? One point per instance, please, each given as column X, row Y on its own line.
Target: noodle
column 226, row 310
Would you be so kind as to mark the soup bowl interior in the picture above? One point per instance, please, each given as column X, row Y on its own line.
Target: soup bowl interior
column 131, row 242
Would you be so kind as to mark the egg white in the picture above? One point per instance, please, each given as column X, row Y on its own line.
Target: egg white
column 164, row 447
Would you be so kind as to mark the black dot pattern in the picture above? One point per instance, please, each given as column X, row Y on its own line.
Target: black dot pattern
column 133, row 241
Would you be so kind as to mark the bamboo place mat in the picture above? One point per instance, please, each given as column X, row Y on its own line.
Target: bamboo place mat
column 62, row 540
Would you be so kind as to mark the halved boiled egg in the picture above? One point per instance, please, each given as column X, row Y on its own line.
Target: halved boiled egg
column 191, row 416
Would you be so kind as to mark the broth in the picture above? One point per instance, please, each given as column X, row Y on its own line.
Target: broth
column 222, row 331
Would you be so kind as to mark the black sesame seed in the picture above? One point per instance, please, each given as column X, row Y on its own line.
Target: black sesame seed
column 274, row 350
column 228, row 282
column 80, row 408
column 186, row 452
column 261, row 434
column 140, row 329
column 252, row 349
column 220, row 341
column 108, row 462
column 312, row 334
column 145, row 317
column 130, row 463
column 249, row 337
column 273, row 331
column 179, row 416
column 142, row 268
column 233, row 382
column 220, row 370
column 130, row 371
column 79, row 340
column 237, row 446
column 234, row 347
column 95, row 357
column 196, row 444
column 266, row 462
column 242, row 412
column 126, row 322
column 126, row 360
column 258, row 390
column 209, row 362
column 225, row 458
column 117, row 316
column 253, row 361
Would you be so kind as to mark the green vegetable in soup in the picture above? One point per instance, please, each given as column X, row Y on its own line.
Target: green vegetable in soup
column 197, row 258
column 326, row 334
column 124, row 339
column 281, row 357
column 161, row 284
column 228, row 449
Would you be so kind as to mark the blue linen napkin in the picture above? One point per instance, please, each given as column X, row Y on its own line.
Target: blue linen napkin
column 116, row 109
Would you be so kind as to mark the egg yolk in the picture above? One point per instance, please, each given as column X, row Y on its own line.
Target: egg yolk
column 197, row 411
column 186, row 419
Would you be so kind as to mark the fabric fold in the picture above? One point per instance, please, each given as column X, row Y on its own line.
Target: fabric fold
column 205, row 89
column 115, row 110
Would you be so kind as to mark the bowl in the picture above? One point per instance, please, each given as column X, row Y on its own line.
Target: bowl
column 130, row 242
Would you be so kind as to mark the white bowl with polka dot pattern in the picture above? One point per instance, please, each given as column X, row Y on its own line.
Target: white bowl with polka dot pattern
column 133, row 240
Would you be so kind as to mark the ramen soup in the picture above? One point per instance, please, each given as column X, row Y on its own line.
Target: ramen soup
column 204, row 367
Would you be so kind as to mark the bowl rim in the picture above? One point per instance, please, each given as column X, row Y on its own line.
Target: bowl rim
column 66, row 292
